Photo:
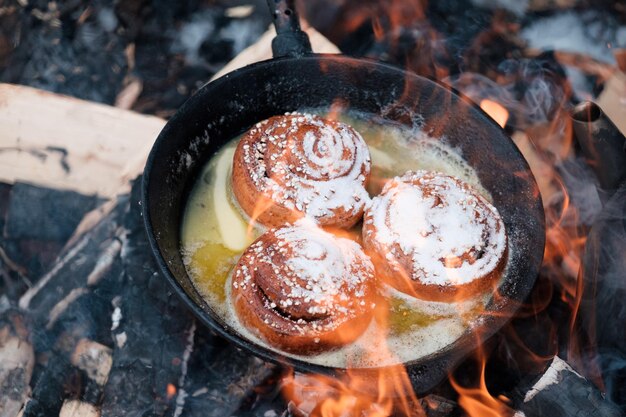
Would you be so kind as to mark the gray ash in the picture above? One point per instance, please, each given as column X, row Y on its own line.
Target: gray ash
column 92, row 50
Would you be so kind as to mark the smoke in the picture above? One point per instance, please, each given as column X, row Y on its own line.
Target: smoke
column 582, row 188
column 576, row 32
column 603, row 311
column 584, row 33
column 191, row 36
column 206, row 35
column 533, row 91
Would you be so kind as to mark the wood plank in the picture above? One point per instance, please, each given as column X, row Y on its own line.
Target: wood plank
column 262, row 49
column 62, row 142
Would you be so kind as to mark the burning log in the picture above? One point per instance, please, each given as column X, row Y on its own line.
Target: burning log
column 561, row 391
column 312, row 395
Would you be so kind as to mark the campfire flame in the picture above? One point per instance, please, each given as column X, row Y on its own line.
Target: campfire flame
column 353, row 395
column 261, row 206
column 478, row 401
column 379, row 393
column 388, row 391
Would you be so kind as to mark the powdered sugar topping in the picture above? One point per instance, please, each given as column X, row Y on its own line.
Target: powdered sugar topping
column 449, row 234
column 309, row 164
column 308, row 275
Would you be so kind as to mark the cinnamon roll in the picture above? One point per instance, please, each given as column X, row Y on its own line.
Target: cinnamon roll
column 303, row 290
column 434, row 237
column 294, row 165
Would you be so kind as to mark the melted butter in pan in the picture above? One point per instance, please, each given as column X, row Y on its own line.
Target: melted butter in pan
column 215, row 233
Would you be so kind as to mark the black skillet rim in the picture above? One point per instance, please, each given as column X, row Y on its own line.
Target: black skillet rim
column 444, row 359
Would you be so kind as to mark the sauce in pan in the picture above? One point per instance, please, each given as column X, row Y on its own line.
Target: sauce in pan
column 215, row 232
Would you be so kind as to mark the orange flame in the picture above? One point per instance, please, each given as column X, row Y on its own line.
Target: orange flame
column 377, row 27
column 261, row 206
column 387, row 391
column 478, row 402
column 337, row 107
column 496, row 111
column 381, row 394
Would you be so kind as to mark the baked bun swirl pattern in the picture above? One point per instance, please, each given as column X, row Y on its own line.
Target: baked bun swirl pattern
column 294, row 165
column 434, row 237
column 303, row 290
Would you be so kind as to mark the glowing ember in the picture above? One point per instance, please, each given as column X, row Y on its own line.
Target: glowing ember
column 170, row 391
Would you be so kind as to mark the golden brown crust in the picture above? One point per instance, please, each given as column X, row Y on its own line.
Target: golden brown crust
column 303, row 290
column 294, row 165
column 430, row 292
column 451, row 244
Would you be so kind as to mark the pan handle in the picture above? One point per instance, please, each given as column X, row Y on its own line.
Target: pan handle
column 290, row 40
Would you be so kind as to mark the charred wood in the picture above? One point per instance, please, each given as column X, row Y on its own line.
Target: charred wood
column 48, row 392
column 112, row 338
column 44, row 213
column 35, row 222
column 5, row 192
column 75, row 264
column 17, row 359
column 561, row 391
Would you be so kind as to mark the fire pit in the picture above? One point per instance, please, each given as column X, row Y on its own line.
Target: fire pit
column 89, row 326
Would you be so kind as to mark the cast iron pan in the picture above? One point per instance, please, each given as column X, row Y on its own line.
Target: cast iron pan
column 299, row 79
